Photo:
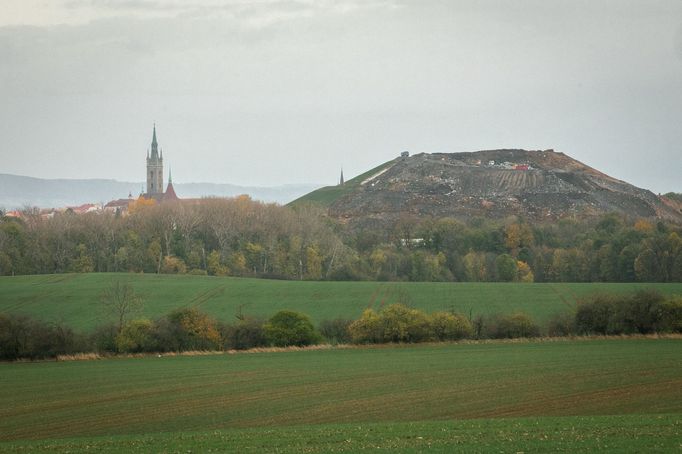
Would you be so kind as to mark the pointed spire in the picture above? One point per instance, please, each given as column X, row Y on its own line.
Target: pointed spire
column 155, row 145
column 341, row 181
column 170, row 190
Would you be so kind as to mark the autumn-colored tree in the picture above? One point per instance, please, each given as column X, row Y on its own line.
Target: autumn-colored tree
column 140, row 204
column 313, row 263
column 194, row 330
column 367, row 329
column 214, row 265
column 517, row 236
column 173, row 265
column 475, row 266
column 154, row 255
column 238, row 263
column 523, row 272
column 643, row 226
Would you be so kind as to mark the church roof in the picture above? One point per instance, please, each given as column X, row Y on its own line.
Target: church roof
column 170, row 192
column 119, row 203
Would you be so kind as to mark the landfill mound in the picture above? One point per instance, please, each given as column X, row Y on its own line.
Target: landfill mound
column 539, row 185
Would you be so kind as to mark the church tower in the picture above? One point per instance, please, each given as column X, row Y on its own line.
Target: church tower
column 154, row 168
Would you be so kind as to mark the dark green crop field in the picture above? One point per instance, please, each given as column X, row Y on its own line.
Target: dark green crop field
column 583, row 394
column 75, row 298
column 576, row 434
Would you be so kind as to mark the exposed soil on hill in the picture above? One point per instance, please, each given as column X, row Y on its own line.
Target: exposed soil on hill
column 538, row 185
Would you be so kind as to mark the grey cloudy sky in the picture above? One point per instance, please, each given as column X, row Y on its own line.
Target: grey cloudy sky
column 274, row 92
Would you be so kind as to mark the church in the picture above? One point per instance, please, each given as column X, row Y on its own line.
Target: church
column 155, row 190
column 155, row 175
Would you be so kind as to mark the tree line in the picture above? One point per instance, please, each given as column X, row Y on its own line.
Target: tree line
column 242, row 237
column 188, row 329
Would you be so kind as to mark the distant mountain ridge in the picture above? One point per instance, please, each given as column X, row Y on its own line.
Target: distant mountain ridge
column 540, row 185
column 18, row 191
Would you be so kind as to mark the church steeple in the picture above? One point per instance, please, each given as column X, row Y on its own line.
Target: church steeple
column 155, row 145
column 341, row 181
column 154, row 168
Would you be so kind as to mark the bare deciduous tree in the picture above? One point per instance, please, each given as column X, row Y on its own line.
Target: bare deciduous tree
column 121, row 302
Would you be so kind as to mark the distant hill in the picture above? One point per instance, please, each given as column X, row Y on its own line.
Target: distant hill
column 537, row 185
column 19, row 191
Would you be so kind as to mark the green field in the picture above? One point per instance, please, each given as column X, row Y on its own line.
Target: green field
column 75, row 298
column 575, row 395
column 622, row 434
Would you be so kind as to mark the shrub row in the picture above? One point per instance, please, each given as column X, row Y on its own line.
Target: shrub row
column 399, row 323
column 643, row 312
column 189, row 329
column 181, row 330
column 24, row 337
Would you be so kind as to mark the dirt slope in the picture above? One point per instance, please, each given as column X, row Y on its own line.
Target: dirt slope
column 538, row 185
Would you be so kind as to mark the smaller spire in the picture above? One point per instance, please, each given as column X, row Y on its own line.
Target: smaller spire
column 341, row 181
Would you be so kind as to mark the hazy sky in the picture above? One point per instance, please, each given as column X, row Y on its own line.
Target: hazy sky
column 272, row 92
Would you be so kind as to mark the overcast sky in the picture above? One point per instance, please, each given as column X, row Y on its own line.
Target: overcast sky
column 274, row 92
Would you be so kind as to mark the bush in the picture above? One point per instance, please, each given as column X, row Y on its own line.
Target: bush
column 173, row 265
column 597, row 315
column 189, row 329
column 247, row 333
column 395, row 323
column 399, row 323
column 103, row 338
column 287, row 328
column 24, row 337
column 642, row 312
column 137, row 336
column 671, row 315
column 446, row 326
column 336, row 331
column 367, row 329
column 510, row 327
column 561, row 325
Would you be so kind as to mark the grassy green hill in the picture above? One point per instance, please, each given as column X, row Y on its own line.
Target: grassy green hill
column 75, row 298
column 329, row 194
column 568, row 394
